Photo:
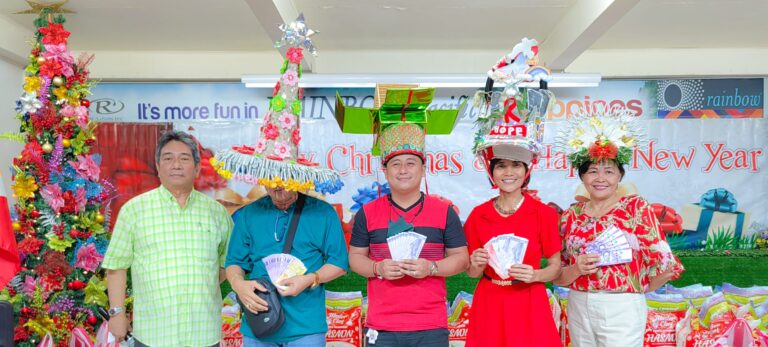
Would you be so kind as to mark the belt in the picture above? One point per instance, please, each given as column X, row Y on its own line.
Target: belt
column 503, row 283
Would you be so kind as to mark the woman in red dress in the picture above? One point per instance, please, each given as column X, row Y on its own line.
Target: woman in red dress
column 515, row 311
column 511, row 308
column 606, row 303
column 510, row 305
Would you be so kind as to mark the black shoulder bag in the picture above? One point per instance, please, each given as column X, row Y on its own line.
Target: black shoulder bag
column 268, row 322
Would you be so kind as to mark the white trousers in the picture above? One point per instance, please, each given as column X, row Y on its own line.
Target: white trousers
column 606, row 319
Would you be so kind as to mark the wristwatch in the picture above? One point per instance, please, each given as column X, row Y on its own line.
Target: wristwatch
column 433, row 268
column 115, row 311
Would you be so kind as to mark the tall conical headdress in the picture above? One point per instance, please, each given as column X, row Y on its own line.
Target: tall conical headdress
column 274, row 161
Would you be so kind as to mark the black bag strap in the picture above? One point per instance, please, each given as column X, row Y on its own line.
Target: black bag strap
column 294, row 224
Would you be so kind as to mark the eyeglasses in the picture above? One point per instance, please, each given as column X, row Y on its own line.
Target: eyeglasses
column 281, row 223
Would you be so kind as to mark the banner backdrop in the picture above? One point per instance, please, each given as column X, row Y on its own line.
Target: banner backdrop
column 722, row 144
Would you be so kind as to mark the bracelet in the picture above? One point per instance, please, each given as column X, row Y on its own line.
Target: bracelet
column 375, row 272
column 316, row 281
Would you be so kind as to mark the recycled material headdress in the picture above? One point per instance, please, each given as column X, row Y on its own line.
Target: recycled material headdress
column 399, row 119
column 274, row 160
column 511, row 122
column 607, row 133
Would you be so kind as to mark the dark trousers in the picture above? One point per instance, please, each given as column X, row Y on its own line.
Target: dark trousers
column 6, row 324
column 420, row 338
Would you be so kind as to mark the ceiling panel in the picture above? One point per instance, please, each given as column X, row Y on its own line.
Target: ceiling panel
column 148, row 25
column 690, row 24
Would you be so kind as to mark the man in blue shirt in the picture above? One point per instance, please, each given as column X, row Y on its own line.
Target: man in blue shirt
column 260, row 230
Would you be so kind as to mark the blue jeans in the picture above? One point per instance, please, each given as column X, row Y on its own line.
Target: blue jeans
column 316, row 340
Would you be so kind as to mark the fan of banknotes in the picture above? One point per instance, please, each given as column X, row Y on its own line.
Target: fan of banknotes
column 282, row 266
column 406, row 245
column 612, row 246
column 504, row 251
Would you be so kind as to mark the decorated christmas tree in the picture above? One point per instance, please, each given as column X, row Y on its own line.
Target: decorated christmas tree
column 59, row 225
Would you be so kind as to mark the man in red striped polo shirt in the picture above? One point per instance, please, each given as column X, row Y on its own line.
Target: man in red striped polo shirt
column 407, row 299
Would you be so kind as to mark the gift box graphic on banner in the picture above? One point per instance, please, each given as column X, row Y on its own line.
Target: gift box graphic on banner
column 716, row 223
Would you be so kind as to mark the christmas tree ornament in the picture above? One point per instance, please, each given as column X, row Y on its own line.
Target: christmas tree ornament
column 47, row 147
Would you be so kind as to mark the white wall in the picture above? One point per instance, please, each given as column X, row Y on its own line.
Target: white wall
column 11, row 81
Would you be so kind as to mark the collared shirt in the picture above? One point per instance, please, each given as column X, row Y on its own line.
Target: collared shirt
column 633, row 215
column 260, row 230
column 174, row 255
column 407, row 304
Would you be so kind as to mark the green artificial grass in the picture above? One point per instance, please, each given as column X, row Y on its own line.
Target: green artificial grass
column 742, row 268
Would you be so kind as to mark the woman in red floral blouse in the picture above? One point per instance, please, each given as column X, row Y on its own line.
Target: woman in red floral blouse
column 606, row 304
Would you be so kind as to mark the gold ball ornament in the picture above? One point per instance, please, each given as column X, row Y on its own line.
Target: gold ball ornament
column 40, row 60
column 66, row 143
column 58, row 81
column 47, row 147
column 99, row 218
column 76, row 218
column 16, row 226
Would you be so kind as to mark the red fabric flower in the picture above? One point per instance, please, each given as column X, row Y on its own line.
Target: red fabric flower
column 20, row 333
column 53, row 283
column 30, row 245
column 45, row 118
column 54, row 34
column 602, row 151
column 50, row 68
column 79, row 78
column 70, row 204
column 296, row 136
column 54, row 265
column 32, row 149
column 270, row 131
column 67, row 130
column 294, row 55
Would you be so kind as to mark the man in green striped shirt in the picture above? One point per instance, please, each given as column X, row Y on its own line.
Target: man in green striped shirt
column 174, row 240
